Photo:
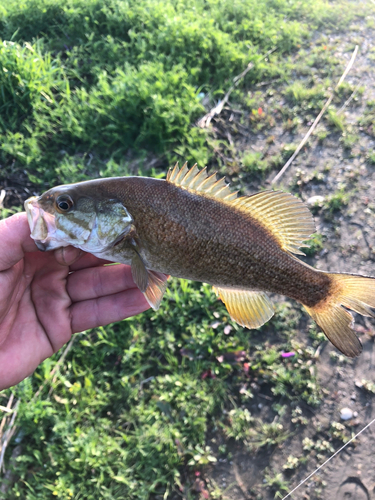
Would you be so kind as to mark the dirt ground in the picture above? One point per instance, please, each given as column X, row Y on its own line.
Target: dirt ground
column 349, row 246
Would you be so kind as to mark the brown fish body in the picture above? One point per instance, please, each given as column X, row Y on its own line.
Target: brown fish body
column 188, row 235
column 191, row 226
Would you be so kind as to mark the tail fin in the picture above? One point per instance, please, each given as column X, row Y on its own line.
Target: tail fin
column 354, row 292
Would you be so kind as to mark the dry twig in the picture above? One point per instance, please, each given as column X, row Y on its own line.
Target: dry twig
column 56, row 368
column 2, row 197
column 317, row 119
column 240, row 483
column 7, row 409
column 337, row 452
column 349, row 100
column 10, row 430
column 215, row 111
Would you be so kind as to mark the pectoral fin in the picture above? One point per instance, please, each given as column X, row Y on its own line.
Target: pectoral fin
column 151, row 283
column 250, row 309
column 156, row 288
column 139, row 273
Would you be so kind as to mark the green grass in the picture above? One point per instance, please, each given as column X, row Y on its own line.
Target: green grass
column 337, row 201
column 371, row 157
column 315, row 245
column 336, row 120
column 84, row 83
column 297, row 92
column 99, row 88
column 253, row 163
column 130, row 411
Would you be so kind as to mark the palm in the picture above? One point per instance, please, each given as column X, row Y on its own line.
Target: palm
column 43, row 302
column 37, row 319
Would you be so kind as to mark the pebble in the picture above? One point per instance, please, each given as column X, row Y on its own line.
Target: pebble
column 315, row 200
column 346, row 414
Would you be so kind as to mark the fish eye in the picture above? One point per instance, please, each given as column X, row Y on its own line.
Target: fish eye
column 64, row 203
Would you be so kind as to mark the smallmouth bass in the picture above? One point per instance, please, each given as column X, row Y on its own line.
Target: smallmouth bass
column 192, row 226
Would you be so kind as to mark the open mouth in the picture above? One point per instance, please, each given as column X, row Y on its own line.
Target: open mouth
column 42, row 224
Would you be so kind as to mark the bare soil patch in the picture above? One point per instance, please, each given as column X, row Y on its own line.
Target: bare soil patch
column 337, row 166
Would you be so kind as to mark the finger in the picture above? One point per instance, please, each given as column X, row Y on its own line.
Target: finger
column 104, row 310
column 15, row 240
column 52, row 302
column 96, row 282
column 88, row 260
column 66, row 256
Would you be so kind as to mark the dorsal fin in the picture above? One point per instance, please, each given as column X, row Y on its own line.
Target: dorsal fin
column 198, row 180
column 284, row 215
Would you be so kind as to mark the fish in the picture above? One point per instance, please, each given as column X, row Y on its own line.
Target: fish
column 191, row 225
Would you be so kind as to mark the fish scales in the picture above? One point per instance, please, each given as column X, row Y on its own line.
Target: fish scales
column 195, row 237
column 191, row 226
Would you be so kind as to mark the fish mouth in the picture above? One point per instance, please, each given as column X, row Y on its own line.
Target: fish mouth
column 42, row 224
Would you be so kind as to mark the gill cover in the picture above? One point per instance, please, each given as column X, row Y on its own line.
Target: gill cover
column 93, row 226
column 111, row 224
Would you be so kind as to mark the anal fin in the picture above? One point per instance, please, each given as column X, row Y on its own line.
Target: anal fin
column 250, row 309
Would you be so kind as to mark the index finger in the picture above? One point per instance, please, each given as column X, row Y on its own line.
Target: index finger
column 15, row 240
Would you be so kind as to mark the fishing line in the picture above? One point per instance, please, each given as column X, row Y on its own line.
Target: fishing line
column 330, row 458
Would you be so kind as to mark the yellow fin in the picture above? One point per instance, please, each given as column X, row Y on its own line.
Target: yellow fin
column 284, row 215
column 151, row 283
column 139, row 272
column 351, row 291
column 336, row 324
column 250, row 309
column 172, row 173
column 156, row 289
column 198, row 181
column 356, row 292
column 181, row 173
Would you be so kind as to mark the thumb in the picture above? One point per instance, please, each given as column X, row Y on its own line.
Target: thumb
column 15, row 240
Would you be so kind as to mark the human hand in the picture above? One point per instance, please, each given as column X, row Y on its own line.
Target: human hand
column 45, row 297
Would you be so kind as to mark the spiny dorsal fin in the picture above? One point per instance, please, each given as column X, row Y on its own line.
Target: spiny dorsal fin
column 250, row 309
column 284, row 215
column 198, row 180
